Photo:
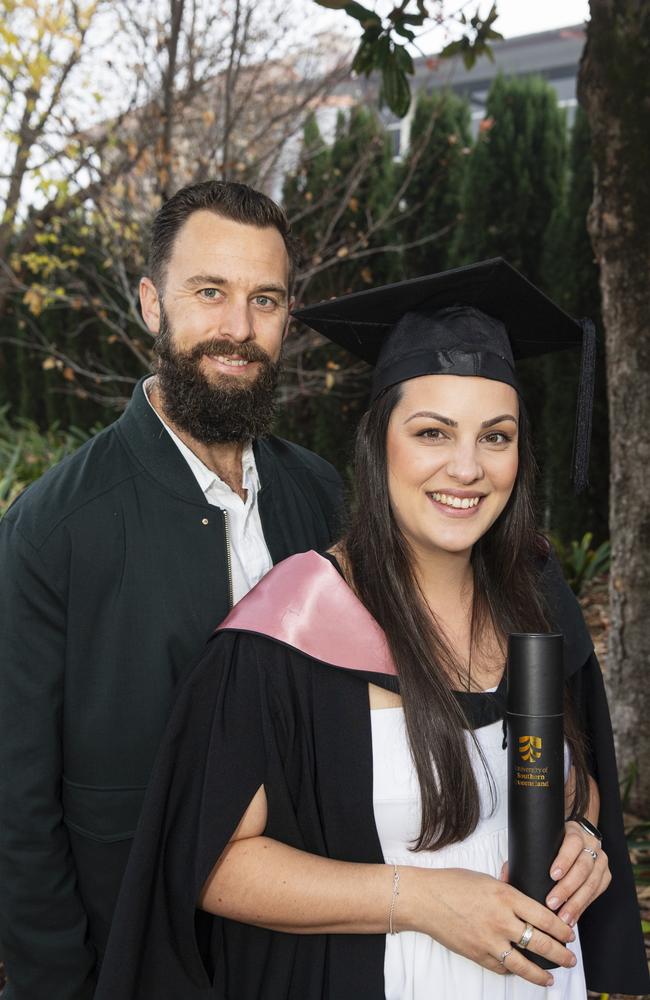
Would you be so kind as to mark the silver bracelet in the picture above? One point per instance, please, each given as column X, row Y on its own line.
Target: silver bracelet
column 393, row 900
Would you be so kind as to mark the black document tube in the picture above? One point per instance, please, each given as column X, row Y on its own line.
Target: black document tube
column 535, row 721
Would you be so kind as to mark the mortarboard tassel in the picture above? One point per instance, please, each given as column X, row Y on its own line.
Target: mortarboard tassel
column 584, row 407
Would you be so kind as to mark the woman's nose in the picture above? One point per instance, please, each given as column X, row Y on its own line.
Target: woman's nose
column 464, row 465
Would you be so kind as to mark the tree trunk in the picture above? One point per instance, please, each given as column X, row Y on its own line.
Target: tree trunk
column 614, row 87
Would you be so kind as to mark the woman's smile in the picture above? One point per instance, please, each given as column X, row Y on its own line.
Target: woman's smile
column 452, row 459
column 451, row 503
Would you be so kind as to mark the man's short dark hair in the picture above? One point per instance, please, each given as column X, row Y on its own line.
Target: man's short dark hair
column 237, row 202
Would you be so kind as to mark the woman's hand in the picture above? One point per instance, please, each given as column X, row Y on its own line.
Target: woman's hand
column 580, row 878
column 480, row 917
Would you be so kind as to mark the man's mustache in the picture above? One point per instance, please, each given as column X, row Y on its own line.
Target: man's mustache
column 247, row 351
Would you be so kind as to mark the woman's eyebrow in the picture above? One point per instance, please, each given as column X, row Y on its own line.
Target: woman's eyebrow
column 429, row 414
column 497, row 420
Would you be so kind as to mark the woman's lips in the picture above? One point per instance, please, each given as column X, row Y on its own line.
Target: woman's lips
column 453, row 511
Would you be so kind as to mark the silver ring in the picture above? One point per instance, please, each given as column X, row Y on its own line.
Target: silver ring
column 589, row 851
column 525, row 937
column 504, row 955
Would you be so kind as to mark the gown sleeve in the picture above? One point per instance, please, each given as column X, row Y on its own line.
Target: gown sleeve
column 211, row 762
column 610, row 928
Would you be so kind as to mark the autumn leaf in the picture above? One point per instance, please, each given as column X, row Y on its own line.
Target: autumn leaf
column 34, row 299
column 68, row 374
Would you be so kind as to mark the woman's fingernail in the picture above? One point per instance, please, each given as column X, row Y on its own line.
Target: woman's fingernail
column 573, row 961
column 553, row 902
column 550, row 981
column 566, row 917
column 556, row 873
column 573, row 937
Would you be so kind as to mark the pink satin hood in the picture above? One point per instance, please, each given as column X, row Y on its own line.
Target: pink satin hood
column 305, row 603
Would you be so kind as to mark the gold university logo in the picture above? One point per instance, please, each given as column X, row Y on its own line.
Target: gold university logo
column 530, row 747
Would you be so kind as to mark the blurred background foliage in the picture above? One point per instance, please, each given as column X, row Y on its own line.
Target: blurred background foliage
column 72, row 341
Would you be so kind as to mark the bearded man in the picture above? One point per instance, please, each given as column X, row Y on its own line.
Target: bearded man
column 119, row 563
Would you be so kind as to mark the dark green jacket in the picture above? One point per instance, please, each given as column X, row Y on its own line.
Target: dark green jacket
column 113, row 575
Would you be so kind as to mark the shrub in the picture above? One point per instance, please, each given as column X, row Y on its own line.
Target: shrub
column 26, row 452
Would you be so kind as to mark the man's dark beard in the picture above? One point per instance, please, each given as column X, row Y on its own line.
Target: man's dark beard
column 230, row 409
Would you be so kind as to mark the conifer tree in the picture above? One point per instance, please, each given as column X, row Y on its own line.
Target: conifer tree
column 571, row 277
column 514, row 176
column 339, row 201
column 434, row 172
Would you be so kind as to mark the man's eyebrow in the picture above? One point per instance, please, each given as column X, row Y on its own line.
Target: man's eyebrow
column 204, row 279
column 199, row 280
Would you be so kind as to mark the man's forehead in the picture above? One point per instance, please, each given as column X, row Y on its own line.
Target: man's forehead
column 210, row 240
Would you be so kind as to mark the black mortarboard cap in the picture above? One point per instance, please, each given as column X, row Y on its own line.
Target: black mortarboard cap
column 473, row 320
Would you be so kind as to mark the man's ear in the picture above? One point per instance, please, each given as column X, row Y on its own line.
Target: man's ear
column 150, row 305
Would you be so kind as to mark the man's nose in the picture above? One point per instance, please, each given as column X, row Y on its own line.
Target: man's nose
column 235, row 322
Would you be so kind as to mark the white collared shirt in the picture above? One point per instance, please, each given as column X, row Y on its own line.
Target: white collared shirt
column 250, row 559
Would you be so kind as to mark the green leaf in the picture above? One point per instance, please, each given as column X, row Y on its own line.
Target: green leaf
column 469, row 56
column 451, row 50
column 492, row 16
column 383, row 51
column 364, row 60
column 416, row 19
column 403, row 59
column 362, row 14
column 405, row 32
column 396, row 91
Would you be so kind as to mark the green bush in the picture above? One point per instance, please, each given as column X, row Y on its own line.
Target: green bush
column 26, row 452
column 580, row 563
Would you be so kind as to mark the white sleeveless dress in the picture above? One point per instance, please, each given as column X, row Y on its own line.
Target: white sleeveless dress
column 415, row 966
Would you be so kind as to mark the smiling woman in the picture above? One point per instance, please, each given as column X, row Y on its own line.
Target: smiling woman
column 332, row 787
column 462, row 464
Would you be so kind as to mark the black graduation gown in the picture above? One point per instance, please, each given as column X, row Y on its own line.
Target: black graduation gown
column 260, row 710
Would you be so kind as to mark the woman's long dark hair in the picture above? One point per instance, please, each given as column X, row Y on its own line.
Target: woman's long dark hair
column 506, row 565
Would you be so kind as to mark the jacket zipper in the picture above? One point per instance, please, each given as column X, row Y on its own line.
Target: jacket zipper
column 228, row 562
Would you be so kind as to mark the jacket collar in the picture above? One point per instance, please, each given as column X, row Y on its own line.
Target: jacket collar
column 145, row 437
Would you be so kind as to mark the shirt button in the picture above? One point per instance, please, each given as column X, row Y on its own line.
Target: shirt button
column 205, row 521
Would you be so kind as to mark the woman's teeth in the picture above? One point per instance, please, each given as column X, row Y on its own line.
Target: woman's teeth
column 450, row 501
